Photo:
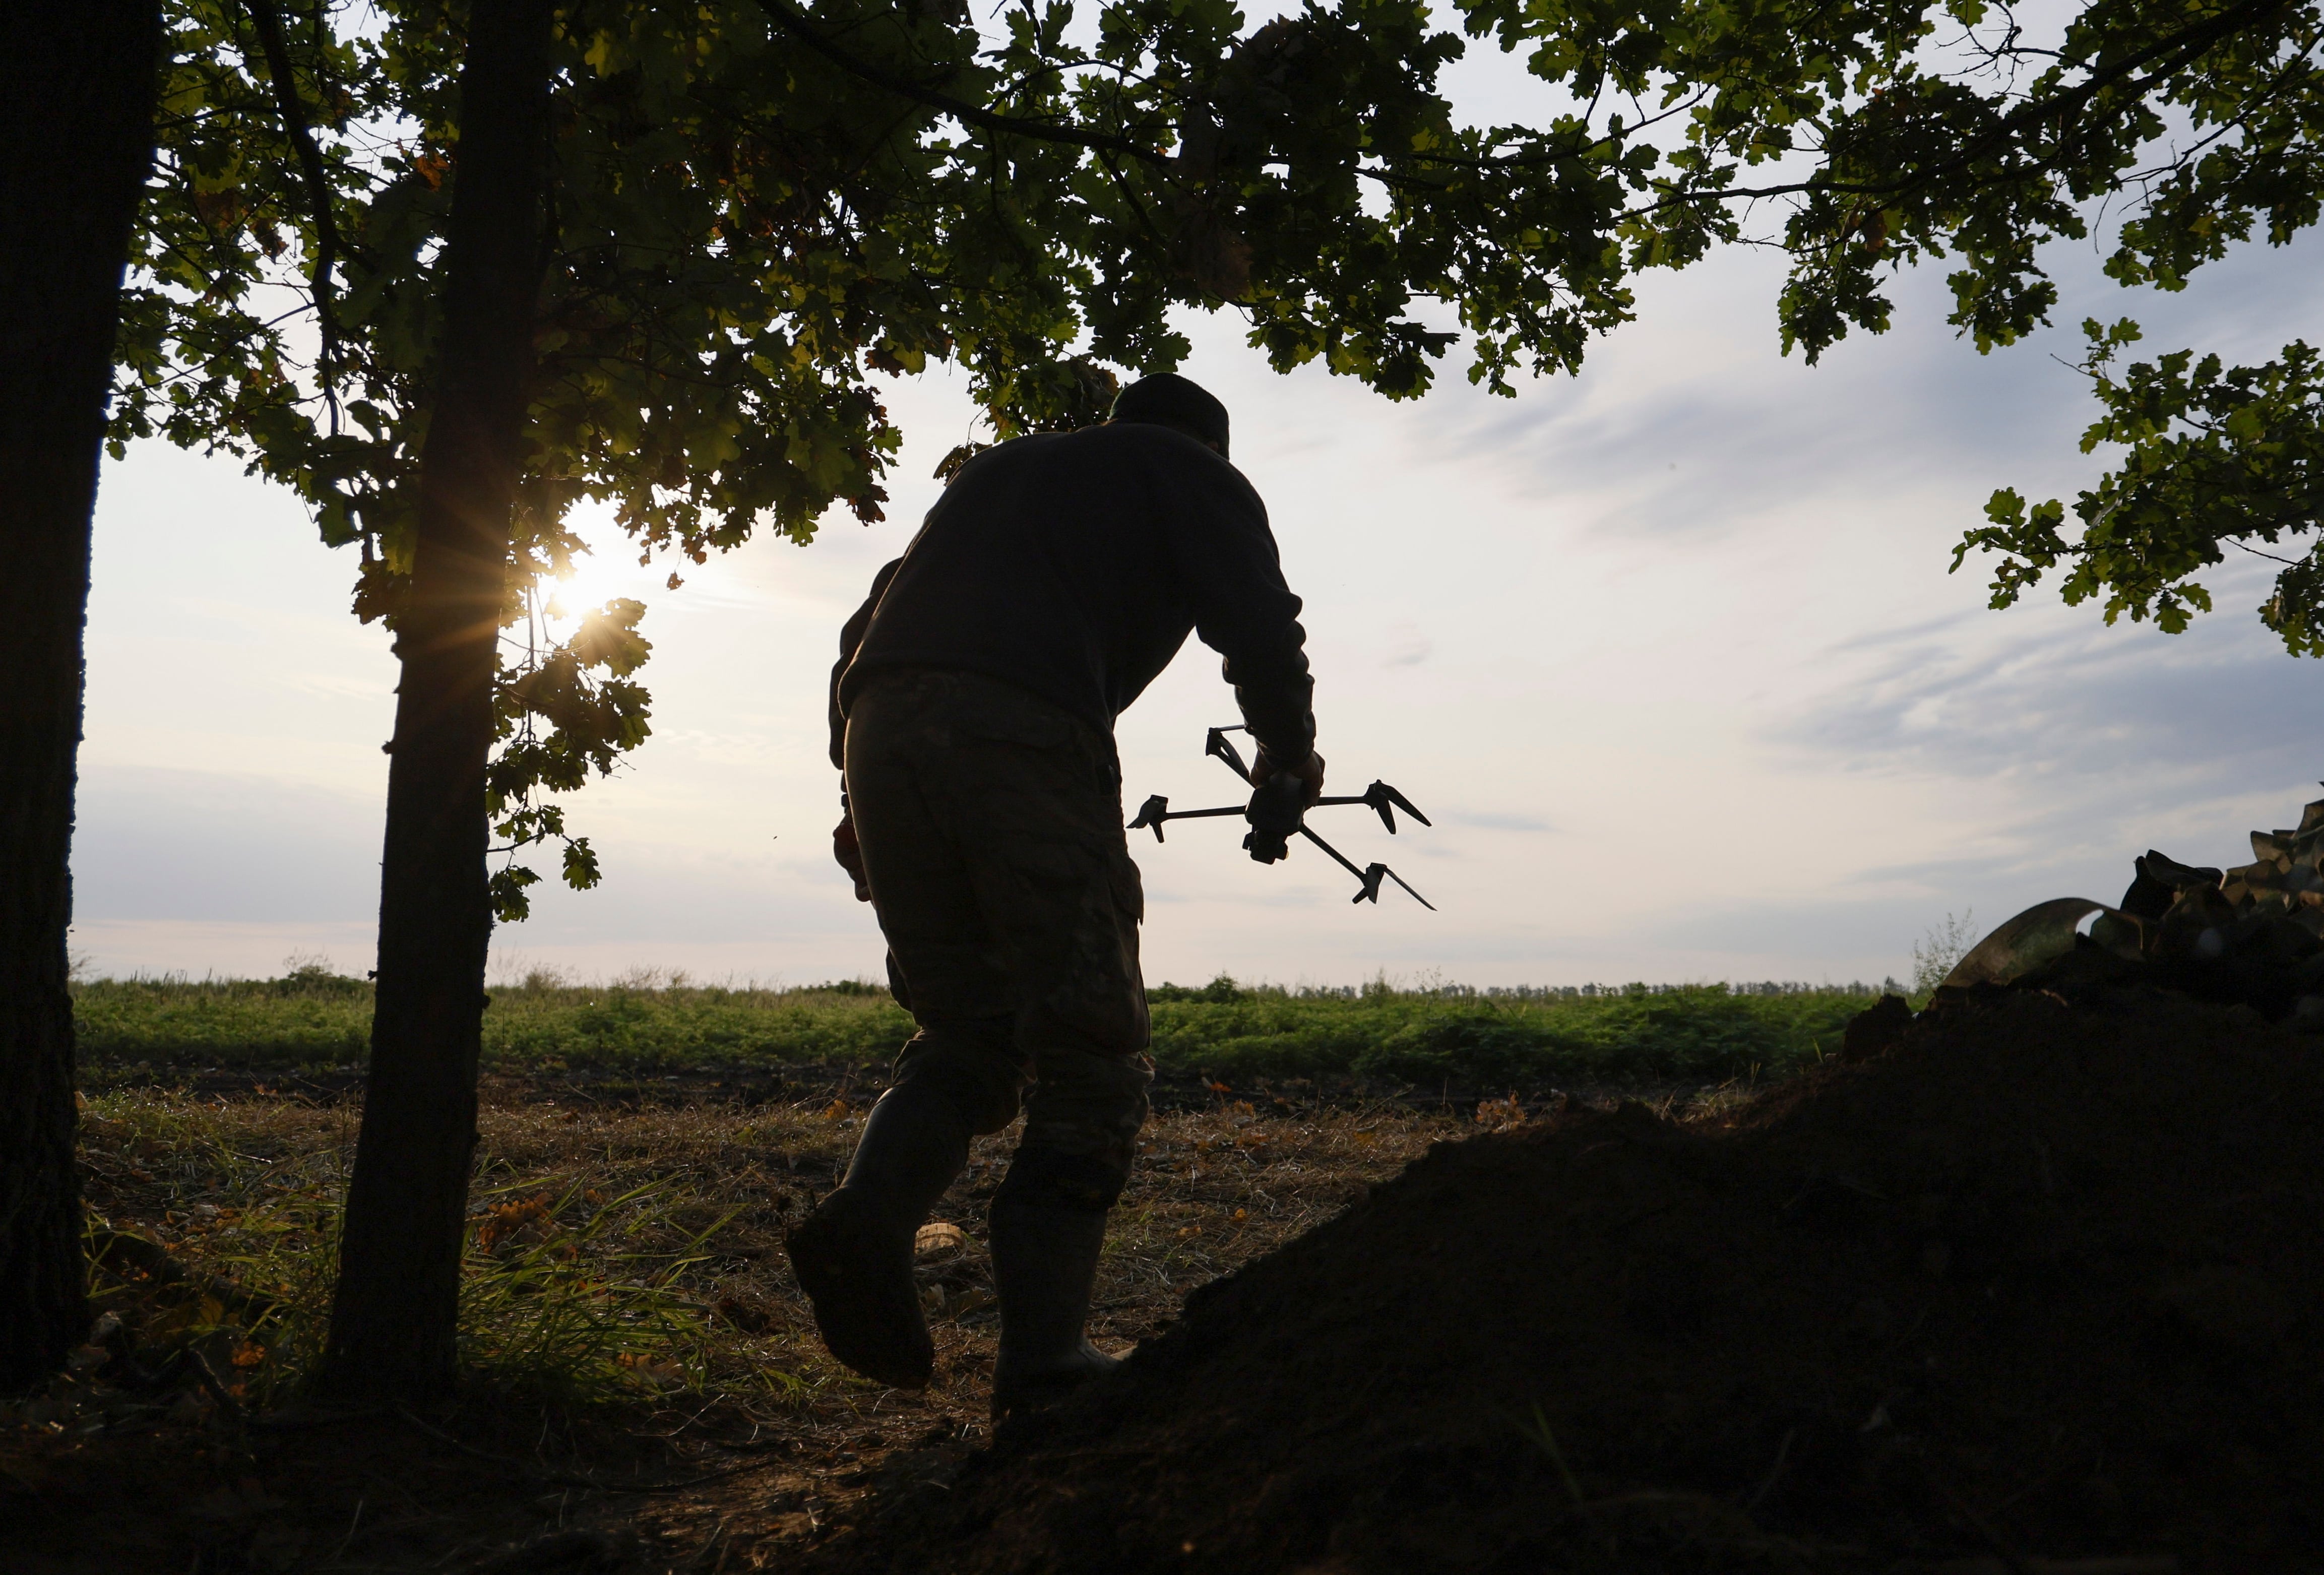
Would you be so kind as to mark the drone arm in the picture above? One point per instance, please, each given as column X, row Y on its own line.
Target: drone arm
column 1335, row 852
column 1368, row 880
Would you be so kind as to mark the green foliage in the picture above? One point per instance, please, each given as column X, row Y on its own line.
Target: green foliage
column 1423, row 1039
column 288, row 1025
column 274, row 1023
column 1911, row 131
column 1222, row 1030
column 758, row 214
column 1218, row 990
column 2217, row 457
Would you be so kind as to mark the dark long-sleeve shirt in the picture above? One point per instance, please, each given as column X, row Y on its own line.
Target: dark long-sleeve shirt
column 1074, row 564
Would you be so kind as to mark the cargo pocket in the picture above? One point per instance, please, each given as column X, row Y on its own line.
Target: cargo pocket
column 1128, row 884
column 1071, row 922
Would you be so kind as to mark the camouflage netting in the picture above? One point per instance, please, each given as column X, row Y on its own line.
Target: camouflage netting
column 2253, row 935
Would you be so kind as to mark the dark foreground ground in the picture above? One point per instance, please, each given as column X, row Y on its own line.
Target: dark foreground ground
column 2034, row 1285
column 2039, row 1288
column 650, row 1393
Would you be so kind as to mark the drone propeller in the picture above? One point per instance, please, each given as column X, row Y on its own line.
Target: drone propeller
column 1219, row 746
column 1370, row 893
column 1152, row 814
column 1383, row 801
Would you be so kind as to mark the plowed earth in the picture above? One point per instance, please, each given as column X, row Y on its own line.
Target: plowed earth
column 2036, row 1288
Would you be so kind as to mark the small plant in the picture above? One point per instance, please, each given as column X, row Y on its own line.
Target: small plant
column 1937, row 952
column 563, row 1298
column 1536, row 1428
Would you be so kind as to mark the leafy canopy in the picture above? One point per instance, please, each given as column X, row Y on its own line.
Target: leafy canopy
column 759, row 212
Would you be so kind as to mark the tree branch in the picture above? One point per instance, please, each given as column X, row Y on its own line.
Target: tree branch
column 269, row 23
column 2193, row 41
column 960, row 109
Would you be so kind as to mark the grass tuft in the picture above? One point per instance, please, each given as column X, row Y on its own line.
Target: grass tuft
column 573, row 1301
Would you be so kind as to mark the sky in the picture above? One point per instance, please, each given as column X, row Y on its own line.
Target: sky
column 1668, row 651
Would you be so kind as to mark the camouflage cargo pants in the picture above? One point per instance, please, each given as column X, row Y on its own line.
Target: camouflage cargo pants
column 990, row 826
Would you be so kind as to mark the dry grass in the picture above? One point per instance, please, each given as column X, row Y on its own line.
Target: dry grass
column 696, row 1198
column 630, row 1314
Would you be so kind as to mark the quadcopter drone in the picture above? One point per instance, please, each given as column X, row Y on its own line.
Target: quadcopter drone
column 1276, row 811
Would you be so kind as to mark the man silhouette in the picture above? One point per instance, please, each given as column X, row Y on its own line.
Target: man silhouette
column 971, row 714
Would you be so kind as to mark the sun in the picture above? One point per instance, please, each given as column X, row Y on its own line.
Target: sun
column 597, row 577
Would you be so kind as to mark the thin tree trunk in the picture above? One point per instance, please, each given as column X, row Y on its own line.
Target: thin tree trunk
column 393, row 1322
column 76, row 141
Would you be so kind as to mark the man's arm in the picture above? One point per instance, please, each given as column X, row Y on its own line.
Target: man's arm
column 1243, row 609
column 844, row 848
column 1274, row 690
column 851, row 637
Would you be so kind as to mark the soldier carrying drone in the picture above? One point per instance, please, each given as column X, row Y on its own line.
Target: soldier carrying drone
column 973, row 712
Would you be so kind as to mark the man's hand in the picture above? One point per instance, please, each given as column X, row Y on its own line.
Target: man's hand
column 1310, row 771
column 850, row 855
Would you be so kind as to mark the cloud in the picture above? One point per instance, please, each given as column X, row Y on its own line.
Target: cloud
column 2067, row 697
column 1747, row 934
column 155, row 843
column 1503, row 823
column 124, row 948
column 1405, row 646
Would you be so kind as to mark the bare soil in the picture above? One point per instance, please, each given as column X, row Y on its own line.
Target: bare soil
column 2032, row 1287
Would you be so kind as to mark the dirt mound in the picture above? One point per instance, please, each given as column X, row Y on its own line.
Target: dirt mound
column 2035, row 1283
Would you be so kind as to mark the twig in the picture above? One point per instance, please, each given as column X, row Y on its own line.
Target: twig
column 352, row 1524
column 218, row 1391
column 1774, row 1472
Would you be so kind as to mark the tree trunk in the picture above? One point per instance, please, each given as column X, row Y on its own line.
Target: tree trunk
column 76, row 141
column 394, row 1319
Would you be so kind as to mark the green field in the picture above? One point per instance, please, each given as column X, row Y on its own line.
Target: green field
column 313, row 1020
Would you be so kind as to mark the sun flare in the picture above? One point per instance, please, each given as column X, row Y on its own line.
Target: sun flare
column 596, row 578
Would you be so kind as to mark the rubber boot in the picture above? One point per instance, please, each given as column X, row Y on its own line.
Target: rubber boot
column 1043, row 1264
column 854, row 1255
